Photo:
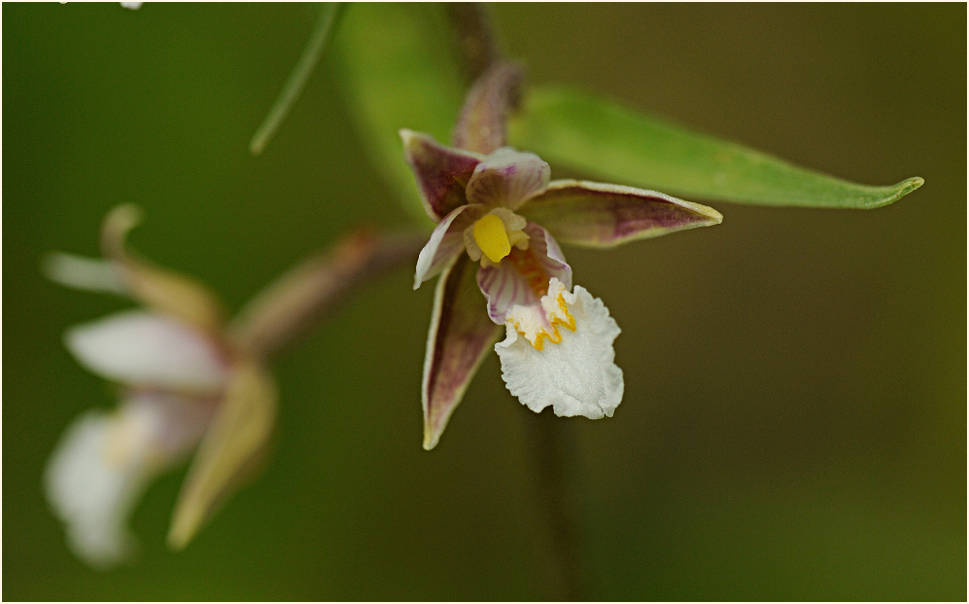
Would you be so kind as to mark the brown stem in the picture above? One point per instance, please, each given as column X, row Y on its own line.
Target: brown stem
column 474, row 37
column 284, row 309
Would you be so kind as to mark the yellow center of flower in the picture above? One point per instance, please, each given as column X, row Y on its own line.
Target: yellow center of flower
column 490, row 235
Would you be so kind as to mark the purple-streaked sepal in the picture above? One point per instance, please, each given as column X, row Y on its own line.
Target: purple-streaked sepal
column 446, row 242
column 442, row 172
column 508, row 178
column 481, row 124
column 604, row 215
column 523, row 276
column 459, row 337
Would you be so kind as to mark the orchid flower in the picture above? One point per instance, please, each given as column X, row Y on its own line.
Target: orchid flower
column 501, row 212
column 182, row 383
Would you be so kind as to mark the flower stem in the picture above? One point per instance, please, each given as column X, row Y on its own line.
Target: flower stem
column 297, row 79
column 285, row 308
column 551, row 444
column 475, row 37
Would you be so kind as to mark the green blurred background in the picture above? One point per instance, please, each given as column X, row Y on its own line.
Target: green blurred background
column 793, row 425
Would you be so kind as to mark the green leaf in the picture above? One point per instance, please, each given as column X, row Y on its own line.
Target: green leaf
column 396, row 70
column 614, row 143
column 297, row 79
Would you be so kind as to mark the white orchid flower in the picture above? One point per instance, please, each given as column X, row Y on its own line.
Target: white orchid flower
column 182, row 384
column 501, row 211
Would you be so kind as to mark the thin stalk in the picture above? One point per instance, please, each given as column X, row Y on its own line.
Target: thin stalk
column 551, row 450
column 297, row 79
column 475, row 37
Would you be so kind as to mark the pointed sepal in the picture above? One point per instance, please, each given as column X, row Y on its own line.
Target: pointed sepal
column 459, row 337
column 232, row 445
column 442, row 172
column 604, row 215
column 481, row 125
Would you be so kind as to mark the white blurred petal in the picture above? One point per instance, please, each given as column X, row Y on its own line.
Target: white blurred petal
column 83, row 273
column 148, row 350
column 104, row 462
column 90, row 495
column 576, row 376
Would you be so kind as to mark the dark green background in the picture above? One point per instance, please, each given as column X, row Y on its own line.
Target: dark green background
column 793, row 425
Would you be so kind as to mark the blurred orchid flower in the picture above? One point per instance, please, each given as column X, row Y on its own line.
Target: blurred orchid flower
column 502, row 212
column 183, row 383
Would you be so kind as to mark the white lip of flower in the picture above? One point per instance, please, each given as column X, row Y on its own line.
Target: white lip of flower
column 104, row 461
column 576, row 375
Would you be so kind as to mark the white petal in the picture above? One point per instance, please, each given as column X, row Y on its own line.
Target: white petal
column 90, row 495
column 148, row 350
column 105, row 460
column 84, row 273
column 576, row 376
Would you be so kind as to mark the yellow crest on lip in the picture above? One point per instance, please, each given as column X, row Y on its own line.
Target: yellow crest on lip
column 490, row 235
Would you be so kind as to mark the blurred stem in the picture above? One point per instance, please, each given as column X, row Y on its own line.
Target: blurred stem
column 474, row 37
column 297, row 79
column 287, row 307
column 551, row 448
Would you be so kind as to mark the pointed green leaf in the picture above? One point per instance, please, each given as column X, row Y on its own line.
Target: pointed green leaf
column 397, row 70
column 614, row 143
column 235, row 440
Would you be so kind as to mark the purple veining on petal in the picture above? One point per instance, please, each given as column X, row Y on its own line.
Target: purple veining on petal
column 604, row 215
column 446, row 241
column 442, row 172
column 508, row 178
column 523, row 276
column 459, row 337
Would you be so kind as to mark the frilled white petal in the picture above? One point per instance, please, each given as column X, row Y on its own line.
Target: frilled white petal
column 105, row 460
column 577, row 375
column 150, row 350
